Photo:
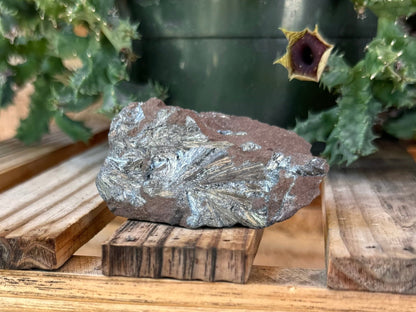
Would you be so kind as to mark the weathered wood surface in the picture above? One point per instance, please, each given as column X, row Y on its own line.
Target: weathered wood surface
column 79, row 286
column 370, row 213
column 19, row 162
column 44, row 220
column 294, row 243
column 145, row 249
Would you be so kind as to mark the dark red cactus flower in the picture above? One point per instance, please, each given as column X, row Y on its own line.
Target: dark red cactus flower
column 306, row 54
column 409, row 24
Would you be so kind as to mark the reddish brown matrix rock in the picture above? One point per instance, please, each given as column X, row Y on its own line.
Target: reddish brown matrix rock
column 173, row 165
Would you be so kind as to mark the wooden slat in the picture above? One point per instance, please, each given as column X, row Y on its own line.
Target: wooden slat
column 370, row 214
column 295, row 243
column 44, row 220
column 79, row 286
column 19, row 162
column 145, row 249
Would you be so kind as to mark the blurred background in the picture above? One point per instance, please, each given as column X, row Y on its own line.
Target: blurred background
column 217, row 55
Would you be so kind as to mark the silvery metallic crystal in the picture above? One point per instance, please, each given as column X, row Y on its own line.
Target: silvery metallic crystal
column 173, row 165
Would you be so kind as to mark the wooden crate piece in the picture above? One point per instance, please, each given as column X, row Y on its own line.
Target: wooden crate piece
column 145, row 249
column 19, row 162
column 44, row 220
column 80, row 286
column 370, row 224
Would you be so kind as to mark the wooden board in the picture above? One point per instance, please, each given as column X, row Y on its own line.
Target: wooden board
column 145, row 249
column 80, row 286
column 295, row 243
column 19, row 162
column 370, row 214
column 44, row 220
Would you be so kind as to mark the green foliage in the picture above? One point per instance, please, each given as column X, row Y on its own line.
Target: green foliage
column 403, row 127
column 125, row 92
column 337, row 73
column 384, row 80
column 318, row 126
column 75, row 129
column 36, row 124
column 39, row 38
column 387, row 8
column 6, row 91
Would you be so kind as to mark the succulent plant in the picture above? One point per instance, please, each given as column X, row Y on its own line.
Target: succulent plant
column 380, row 90
column 40, row 37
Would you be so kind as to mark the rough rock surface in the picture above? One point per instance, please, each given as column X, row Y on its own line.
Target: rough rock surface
column 173, row 165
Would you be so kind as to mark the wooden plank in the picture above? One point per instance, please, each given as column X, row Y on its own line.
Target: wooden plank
column 294, row 243
column 79, row 286
column 145, row 249
column 370, row 230
column 19, row 162
column 44, row 220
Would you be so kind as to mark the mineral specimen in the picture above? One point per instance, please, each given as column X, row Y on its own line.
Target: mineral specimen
column 173, row 165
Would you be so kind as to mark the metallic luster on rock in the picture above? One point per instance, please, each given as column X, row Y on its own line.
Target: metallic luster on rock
column 173, row 165
column 250, row 146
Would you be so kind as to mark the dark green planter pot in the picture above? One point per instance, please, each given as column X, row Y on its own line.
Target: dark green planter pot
column 217, row 55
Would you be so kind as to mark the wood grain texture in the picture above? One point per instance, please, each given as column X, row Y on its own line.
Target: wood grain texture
column 79, row 286
column 44, row 220
column 145, row 249
column 19, row 162
column 370, row 231
column 294, row 243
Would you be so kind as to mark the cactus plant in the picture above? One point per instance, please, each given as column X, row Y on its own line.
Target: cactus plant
column 39, row 37
column 379, row 90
